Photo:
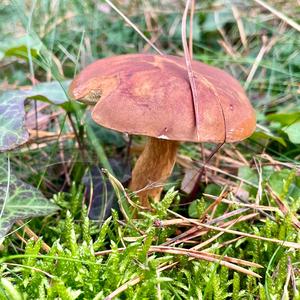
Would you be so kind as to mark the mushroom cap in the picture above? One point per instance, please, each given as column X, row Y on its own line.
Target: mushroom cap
column 150, row 95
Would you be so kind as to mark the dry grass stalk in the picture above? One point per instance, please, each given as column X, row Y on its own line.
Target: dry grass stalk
column 248, row 205
column 133, row 26
column 279, row 14
column 244, row 234
column 276, row 241
column 197, row 232
column 223, row 194
column 222, row 260
column 283, row 208
column 240, row 25
column 31, row 235
column 188, row 61
column 266, row 47
column 191, row 28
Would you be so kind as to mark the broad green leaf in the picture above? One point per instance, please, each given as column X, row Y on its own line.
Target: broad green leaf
column 12, row 114
column 19, row 47
column 213, row 189
column 197, row 207
column 293, row 132
column 260, row 135
column 286, row 184
column 19, row 200
column 284, row 118
column 53, row 92
column 249, row 175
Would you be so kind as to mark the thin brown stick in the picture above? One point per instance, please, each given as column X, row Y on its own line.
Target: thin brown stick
column 189, row 252
column 197, row 232
column 31, row 234
column 207, row 242
column 188, row 62
column 223, row 194
column 191, row 28
column 284, row 209
column 222, row 260
column 191, row 197
column 253, row 206
column 132, row 282
column 240, row 25
column 123, row 288
column 280, row 242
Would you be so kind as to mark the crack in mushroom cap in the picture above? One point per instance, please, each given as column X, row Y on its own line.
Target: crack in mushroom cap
column 150, row 95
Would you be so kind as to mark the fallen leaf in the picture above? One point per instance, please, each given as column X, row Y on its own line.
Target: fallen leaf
column 19, row 200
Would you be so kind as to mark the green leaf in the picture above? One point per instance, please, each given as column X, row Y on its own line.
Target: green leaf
column 249, row 175
column 19, row 47
column 197, row 207
column 19, row 200
column 293, row 132
column 54, row 92
column 285, row 118
column 260, row 135
column 285, row 183
column 12, row 114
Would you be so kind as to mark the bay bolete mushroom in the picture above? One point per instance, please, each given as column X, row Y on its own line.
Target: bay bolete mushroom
column 150, row 95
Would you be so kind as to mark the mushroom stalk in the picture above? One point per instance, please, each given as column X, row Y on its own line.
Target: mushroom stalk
column 153, row 168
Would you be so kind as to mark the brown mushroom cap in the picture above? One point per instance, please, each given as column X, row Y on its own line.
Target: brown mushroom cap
column 150, row 95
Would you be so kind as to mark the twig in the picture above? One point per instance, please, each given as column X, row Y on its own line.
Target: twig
column 249, row 205
column 188, row 62
column 280, row 242
column 207, row 242
column 193, row 193
column 222, row 260
column 31, row 234
column 197, row 232
column 223, row 194
column 189, row 163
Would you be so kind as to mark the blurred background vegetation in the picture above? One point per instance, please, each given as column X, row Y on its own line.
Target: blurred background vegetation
column 44, row 41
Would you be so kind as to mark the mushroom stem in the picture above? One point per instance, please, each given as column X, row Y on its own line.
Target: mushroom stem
column 153, row 168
